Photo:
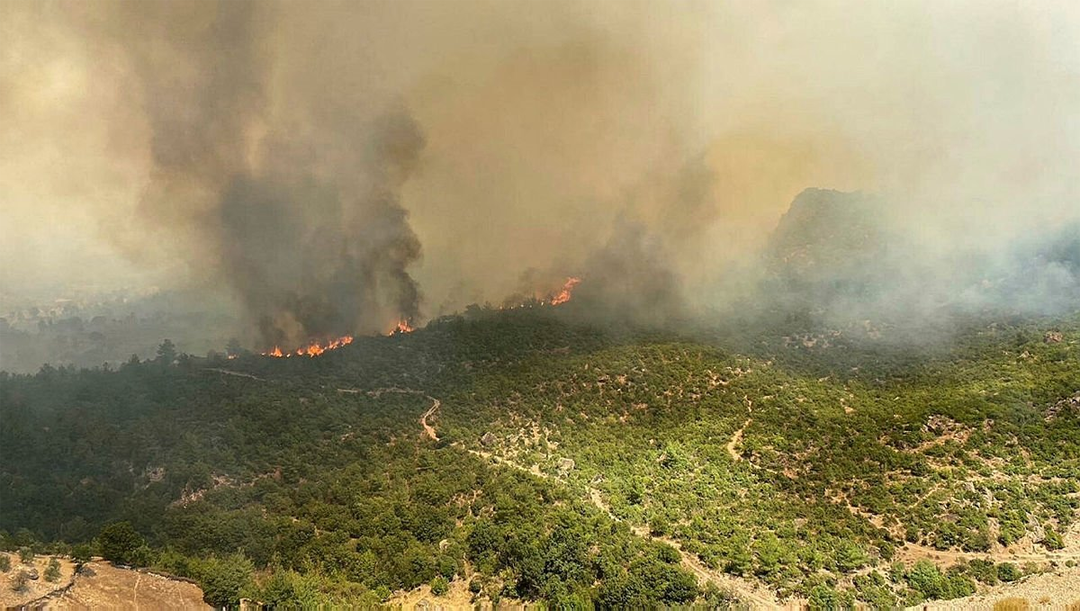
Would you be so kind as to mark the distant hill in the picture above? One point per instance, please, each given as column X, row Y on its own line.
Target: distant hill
column 826, row 235
column 845, row 255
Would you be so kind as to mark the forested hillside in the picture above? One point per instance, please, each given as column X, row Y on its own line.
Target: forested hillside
column 538, row 458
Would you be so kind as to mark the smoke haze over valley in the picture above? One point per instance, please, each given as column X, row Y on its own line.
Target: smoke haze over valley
column 332, row 169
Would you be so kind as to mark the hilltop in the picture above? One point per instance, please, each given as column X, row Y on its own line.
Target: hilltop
column 539, row 457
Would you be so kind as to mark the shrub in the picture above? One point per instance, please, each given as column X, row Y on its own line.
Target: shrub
column 120, row 543
column 52, row 572
column 984, row 571
column 1052, row 540
column 1007, row 571
column 18, row 584
column 824, row 597
column 439, row 586
column 927, row 579
column 26, row 555
column 5, row 563
column 81, row 554
column 223, row 580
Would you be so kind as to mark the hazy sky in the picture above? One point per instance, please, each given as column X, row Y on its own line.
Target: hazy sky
column 544, row 127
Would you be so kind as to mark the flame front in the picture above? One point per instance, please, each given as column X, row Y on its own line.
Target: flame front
column 567, row 291
column 403, row 326
column 539, row 299
column 314, row 349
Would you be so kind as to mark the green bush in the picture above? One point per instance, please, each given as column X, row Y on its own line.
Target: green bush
column 825, row 598
column 1053, row 540
column 120, row 544
column 984, row 571
column 439, row 586
column 925, row 578
column 224, row 580
column 52, row 571
column 1007, row 571
column 20, row 581
column 81, row 554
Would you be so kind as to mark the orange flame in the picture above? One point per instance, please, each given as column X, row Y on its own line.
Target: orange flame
column 550, row 299
column 403, row 326
column 314, row 349
column 567, row 291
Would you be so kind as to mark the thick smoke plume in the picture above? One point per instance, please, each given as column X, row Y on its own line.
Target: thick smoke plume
column 296, row 155
column 303, row 220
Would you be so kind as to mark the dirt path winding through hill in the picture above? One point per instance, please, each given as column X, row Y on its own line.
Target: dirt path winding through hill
column 429, row 431
column 911, row 552
column 735, row 440
column 755, row 595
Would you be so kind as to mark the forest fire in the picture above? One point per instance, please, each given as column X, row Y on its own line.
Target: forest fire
column 403, row 326
column 567, row 291
column 315, row 348
column 554, row 298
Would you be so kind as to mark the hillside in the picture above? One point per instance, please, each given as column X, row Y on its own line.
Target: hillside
column 535, row 457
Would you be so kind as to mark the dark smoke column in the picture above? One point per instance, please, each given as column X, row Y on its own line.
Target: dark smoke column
column 297, row 210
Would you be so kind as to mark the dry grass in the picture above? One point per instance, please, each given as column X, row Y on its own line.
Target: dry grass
column 1014, row 603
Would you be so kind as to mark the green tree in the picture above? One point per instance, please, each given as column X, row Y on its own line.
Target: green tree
column 26, row 555
column 18, row 584
column 926, row 578
column 850, row 557
column 52, row 572
column 223, row 580
column 166, row 352
column 81, row 554
column 120, row 543
column 5, row 563
column 824, row 597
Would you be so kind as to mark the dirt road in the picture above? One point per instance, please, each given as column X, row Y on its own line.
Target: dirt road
column 428, row 430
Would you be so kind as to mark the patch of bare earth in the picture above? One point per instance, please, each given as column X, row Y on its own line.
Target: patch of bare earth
column 35, row 588
column 101, row 585
column 457, row 597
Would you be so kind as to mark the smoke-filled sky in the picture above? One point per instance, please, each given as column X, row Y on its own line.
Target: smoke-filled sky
column 336, row 166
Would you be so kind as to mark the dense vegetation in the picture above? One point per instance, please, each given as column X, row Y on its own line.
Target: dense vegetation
column 308, row 480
